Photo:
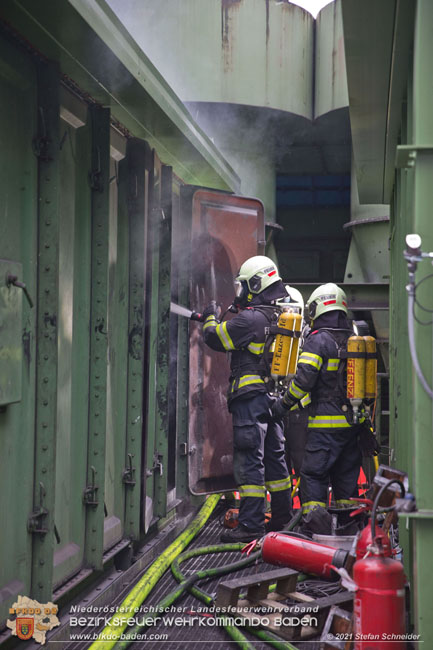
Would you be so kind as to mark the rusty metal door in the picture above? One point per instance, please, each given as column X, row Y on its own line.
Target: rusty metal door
column 225, row 231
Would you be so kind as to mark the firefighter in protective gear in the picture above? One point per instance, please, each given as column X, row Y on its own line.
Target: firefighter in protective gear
column 258, row 439
column 293, row 301
column 296, row 420
column 331, row 453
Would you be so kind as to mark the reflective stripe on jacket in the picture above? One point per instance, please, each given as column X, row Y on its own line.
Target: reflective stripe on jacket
column 244, row 338
column 319, row 373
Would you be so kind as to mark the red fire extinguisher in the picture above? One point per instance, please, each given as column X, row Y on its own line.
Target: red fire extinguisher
column 365, row 541
column 379, row 606
column 302, row 554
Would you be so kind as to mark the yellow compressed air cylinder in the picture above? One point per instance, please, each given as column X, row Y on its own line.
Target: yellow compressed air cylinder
column 283, row 344
column 355, row 369
column 297, row 324
column 370, row 368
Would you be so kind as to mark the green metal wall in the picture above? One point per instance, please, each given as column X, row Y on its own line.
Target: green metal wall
column 18, row 182
column 411, row 407
column 422, row 414
column 388, row 52
column 87, row 214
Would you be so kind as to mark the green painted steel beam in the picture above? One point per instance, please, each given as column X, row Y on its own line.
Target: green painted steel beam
column 46, row 146
column 422, row 450
column 159, row 288
column 115, row 72
column 153, row 460
column 93, row 496
column 163, row 221
column 401, row 373
column 117, row 357
column 182, row 241
column 401, row 393
column 134, row 173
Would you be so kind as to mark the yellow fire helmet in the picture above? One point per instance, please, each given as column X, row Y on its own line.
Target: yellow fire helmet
column 326, row 298
column 258, row 273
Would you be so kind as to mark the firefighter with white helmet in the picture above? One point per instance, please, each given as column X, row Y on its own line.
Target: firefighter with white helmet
column 258, row 439
column 293, row 301
column 332, row 453
column 295, row 420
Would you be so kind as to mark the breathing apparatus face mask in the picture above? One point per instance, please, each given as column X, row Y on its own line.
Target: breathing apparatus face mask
column 310, row 312
column 238, row 288
column 241, row 293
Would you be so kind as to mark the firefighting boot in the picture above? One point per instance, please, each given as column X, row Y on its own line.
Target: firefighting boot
column 241, row 534
column 276, row 524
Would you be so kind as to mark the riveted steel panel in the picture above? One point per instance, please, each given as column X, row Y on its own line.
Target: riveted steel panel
column 134, row 179
column 226, row 230
column 47, row 148
column 159, row 255
column 94, row 491
column 164, row 217
column 18, row 237
column 117, row 366
column 73, row 337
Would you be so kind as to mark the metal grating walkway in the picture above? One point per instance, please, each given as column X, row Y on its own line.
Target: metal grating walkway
column 190, row 632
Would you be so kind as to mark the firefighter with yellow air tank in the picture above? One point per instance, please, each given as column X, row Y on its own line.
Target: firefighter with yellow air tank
column 258, row 441
column 295, row 420
column 338, row 371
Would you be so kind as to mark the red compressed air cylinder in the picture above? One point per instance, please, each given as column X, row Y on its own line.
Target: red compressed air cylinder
column 302, row 554
column 379, row 606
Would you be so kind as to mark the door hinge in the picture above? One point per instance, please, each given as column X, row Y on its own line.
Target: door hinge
column 128, row 474
column 185, row 450
column 157, row 467
column 36, row 521
column 89, row 494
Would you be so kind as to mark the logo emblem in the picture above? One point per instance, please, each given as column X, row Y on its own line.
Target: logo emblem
column 25, row 628
column 33, row 620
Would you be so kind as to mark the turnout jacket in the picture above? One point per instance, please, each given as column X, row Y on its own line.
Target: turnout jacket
column 244, row 338
column 322, row 374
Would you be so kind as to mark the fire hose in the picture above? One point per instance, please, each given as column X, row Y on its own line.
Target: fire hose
column 112, row 632
column 189, row 584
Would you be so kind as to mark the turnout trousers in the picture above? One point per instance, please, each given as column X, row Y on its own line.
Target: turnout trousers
column 331, row 456
column 259, row 461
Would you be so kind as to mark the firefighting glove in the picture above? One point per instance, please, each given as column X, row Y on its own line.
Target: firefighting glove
column 367, row 441
column 281, row 407
column 212, row 310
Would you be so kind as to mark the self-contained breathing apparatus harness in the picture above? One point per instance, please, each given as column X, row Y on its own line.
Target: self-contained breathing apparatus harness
column 367, row 439
column 339, row 390
column 261, row 366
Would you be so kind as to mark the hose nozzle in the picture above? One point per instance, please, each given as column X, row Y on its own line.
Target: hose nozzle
column 196, row 316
